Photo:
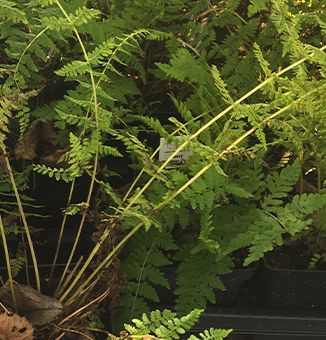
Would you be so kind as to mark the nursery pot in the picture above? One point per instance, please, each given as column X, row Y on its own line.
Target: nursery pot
column 291, row 289
column 231, row 281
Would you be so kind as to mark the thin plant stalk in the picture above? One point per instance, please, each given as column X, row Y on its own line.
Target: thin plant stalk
column 301, row 183
column 97, row 127
column 100, row 298
column 60, row 238
column 27, row 47
column 22, row 215
column 5, row 247
column 99, row 267
column 80, row 225
column 67, row 280
column 319, row 179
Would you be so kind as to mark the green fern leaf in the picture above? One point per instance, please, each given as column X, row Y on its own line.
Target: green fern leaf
column 197, row 277
column 264, row 240
column 183, row 66
column 256, row 6
column 278, row 15
column 16, row 265
column 164, row 325
column 221, row 86
column 9, row 11
column 280, row 184
column 212, row 334
column 74, row 68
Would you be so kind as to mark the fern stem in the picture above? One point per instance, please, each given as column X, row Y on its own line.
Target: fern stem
column 97, row 151
column 275, row 218
column 319, row 179
column 230, row 147
column 5, row 247
column 25, row 50
column 22, row 215
column 214, row 120
column 59, row 242
column 26, row 267
column 99, row 267
column 301, row 183
column 139, row 279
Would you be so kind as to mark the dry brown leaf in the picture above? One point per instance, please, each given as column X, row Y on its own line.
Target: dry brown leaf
column 14, row 327
column 52, row 160
column 26, row 147
column 307, row 188
column 48, row 133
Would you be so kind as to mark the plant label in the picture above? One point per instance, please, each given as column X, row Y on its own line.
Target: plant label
column 167, row 150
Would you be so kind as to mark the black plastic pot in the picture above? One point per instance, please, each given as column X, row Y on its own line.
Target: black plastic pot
column 232, row 283
column 261, row 324
column 246, row 316
column 292, row 289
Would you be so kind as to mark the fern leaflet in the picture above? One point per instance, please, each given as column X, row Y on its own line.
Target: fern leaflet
column 164, row 325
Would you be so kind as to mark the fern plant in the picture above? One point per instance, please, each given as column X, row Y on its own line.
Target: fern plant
column 261, row 214
column 165, row 325
column 251, row 211
column 261, row 72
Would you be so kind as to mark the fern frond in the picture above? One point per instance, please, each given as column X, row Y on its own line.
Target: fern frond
column 80, row 155
column 183, row 66
column 280, row 184
column 73, row 69
column 222, row 87
column 206, row 229
column 106, row 150
column 16, row 265
column 58, row 174
column 9, row 11
column 212, row 334
column 82, row 15
column 45, row 3
column 154, row 124
column 164, row 325
column 257, row 6
column 197, row 278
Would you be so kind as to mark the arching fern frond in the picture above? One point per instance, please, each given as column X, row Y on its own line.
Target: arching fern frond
column 9, row 11
column 164, row 325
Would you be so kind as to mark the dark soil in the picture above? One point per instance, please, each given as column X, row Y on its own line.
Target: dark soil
column 294, row 256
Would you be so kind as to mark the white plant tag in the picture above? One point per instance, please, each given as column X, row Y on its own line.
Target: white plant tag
column 168, row 149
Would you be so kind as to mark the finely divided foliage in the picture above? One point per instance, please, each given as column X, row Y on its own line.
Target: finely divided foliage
column 165, row 325
column 232, row 72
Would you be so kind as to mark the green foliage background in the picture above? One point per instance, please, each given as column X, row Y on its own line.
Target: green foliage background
column 99, row 70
